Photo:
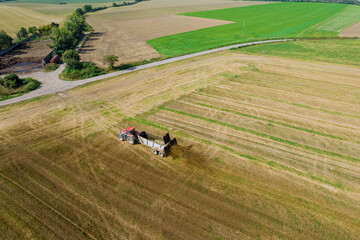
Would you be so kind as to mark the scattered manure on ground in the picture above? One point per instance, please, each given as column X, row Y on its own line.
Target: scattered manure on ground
column 190, row 156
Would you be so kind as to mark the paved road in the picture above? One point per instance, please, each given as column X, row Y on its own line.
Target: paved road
column 52, row 84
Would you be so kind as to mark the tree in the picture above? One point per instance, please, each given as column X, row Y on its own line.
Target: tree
column 79, row 11
column 22, row 33
column 5, row 40
column 45, row 30
column 62, row 40
column 72, row 59
column 32, row 30
column 75, row 24
column 110, row 60
column 87, row 8
column 114, row 5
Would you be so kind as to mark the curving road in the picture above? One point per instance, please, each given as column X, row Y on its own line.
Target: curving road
column 51, row 83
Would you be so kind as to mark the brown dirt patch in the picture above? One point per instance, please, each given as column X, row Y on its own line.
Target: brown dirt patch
column 352, row 31
column 31, row 52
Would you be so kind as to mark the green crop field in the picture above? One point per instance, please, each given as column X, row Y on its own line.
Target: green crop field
column 261, row 21
column 335, row 51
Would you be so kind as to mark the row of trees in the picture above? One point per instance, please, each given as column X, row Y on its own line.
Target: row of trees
column 65, row 37
column 42, row 31
column 89, row 8
column 69, row 34
column 6, row 41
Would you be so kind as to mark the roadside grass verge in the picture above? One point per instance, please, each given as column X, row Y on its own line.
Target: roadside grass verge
column 276, row 139
column 333, row 51
column 278, row 20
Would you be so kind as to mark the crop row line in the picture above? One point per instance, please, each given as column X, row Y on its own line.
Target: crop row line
column 277, row 139
column 296, row 104
column 270, row 109
column 271, row 121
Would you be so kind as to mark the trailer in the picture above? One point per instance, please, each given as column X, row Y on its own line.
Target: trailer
column 159, row 147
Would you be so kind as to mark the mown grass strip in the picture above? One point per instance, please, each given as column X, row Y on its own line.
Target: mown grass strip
column 271, row 121
column 296, row 104
column 200, row 93
column 276, row 139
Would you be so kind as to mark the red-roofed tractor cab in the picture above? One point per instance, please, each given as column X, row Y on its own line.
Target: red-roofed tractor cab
column 129, row 135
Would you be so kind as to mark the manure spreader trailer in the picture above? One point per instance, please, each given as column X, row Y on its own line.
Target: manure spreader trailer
column 159, row 147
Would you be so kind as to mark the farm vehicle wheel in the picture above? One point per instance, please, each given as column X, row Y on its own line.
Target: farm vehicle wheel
column 154, row 151
column 131, row 140
column 121, row 137
column 161, row 154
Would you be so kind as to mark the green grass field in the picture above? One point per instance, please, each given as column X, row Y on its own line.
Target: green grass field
column 261, row 21
column 334, row 51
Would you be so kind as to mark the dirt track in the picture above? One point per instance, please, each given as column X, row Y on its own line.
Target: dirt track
column 268, row 149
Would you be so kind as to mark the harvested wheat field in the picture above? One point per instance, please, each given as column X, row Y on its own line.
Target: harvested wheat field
column 268, row 149
column 12, row 18
column 124, row 31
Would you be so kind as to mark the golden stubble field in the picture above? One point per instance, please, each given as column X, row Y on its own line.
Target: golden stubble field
column 268, row 148
column 14, row 15
column 124, row 31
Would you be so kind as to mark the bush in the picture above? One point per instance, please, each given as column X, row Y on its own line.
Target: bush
column 30, row 84
column 72, row 59
column 51, row 67
column 5, row 40
column 32, row 30
column 86, row 70
column 12, row 86
column 12, row 81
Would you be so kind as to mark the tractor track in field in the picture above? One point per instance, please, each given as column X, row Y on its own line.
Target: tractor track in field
column 52, row 84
